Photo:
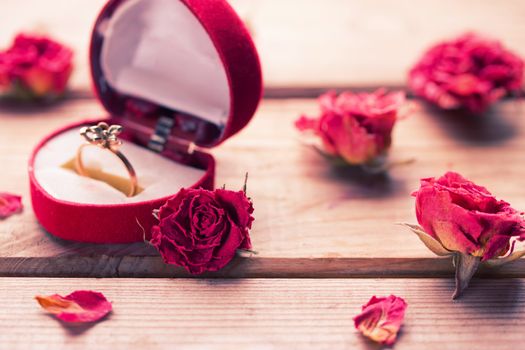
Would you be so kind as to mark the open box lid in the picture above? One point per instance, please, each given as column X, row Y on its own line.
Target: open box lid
column 190, row 60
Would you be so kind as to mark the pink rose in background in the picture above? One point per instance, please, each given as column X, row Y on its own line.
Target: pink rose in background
column 355, row 127
column 35, row 67
column 381, row 319
column 468, row 72
column 201, row 230
column 462, row 219
column 10, row 204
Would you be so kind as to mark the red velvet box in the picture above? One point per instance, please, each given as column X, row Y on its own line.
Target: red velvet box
column 188, row 63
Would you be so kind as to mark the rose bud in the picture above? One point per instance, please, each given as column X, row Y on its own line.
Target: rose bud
column 381, row 319
column 201, row 230
column 356, row 128
column 462, row 219
column 469, row 72
column 35, row 67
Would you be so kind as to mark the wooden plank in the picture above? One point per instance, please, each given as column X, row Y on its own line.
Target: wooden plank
column 264, row 314
column 311, row 219
column 308, row 43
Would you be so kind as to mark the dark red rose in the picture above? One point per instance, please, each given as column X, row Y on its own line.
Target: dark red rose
column 470, row 72
column 35, row 66
column 201, row 230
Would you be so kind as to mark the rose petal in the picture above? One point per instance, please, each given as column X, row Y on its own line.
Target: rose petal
column 305, row 123
column 79, row 306
column 9, row 204
column 381, row 319
column 238, row 203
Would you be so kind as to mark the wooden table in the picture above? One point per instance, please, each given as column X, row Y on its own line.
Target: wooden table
column 326, row 238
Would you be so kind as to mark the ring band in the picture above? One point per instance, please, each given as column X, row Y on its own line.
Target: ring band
column 106, row 137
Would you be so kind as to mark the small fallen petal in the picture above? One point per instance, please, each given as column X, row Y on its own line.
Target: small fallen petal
column 381, row 319
column 9, row 204
column 79, row 306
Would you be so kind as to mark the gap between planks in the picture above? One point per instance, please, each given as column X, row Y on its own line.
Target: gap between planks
column 103, row 266
column 283, row 92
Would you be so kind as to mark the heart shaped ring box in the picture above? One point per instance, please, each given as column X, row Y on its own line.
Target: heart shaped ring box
column 179, row 76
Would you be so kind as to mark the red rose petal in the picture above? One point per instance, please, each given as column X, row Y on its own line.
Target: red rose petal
column 79, row 306
column 381, row 319
column 9, row 204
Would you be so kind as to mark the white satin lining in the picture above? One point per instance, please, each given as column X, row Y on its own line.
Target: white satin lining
column 158, row 176
column 157, row 50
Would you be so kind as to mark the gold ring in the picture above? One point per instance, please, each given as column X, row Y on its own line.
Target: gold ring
column 106, row 137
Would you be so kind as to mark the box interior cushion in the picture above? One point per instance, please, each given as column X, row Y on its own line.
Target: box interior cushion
column 157, row 50
column 159, row 176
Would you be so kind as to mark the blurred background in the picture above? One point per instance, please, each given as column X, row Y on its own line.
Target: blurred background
column 306, row 45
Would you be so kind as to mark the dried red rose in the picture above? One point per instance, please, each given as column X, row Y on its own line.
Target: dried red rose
column 201, row 230
column 462, row 219
column 381, row 319
column 80, row 306
column 35, row 67
column 469, row 72
column 9, row 204
column 355, row 127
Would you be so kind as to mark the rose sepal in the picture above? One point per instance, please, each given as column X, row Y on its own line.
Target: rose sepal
column 430, row 242
column 497, row 262
column 465, row 265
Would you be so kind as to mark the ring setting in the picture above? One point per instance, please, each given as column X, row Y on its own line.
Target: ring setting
column 105, row 136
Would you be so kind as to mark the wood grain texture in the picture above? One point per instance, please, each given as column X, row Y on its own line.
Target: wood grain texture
column 307, row 43
column 264, row 314
column 312, row 219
